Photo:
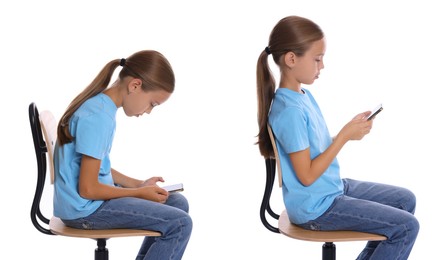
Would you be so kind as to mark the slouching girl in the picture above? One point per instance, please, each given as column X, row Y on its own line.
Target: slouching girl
column 89, row 193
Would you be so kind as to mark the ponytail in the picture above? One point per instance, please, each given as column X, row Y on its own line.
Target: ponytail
column 265, row 91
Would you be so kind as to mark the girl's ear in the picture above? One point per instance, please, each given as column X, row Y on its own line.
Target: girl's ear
column 134, row 85
column 290, row 59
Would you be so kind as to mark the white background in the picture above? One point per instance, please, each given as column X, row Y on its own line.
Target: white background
column 377, row 51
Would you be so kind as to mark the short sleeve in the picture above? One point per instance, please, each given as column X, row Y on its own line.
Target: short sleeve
column 93, row 135
column 290, row 129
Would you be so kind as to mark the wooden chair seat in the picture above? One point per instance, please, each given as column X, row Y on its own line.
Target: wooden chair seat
column 294, row 231
column 59, row 228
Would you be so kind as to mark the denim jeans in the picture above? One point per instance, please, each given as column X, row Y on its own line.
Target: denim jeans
column 375, row 208
column 171, row 219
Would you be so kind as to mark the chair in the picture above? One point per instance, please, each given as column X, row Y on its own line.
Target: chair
column 291, row 230
column 43, row 127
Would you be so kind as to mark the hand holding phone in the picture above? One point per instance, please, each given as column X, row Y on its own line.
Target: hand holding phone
column 375, row 111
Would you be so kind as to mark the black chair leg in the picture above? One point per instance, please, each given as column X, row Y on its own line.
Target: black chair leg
column 101, row 252
column 328, row 251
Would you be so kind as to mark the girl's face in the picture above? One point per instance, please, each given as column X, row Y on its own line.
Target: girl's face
column 307, row 67
column 138, row 102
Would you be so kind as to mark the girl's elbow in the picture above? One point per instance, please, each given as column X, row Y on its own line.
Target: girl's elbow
column 85, row 192
column 306, row 180
column 306, row 183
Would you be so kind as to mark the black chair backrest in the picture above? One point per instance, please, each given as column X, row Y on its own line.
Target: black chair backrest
column 265, row 204
column 40, row 151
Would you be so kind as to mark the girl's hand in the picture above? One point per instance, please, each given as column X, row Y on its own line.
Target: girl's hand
column 152, row 181
column 154, row 193
column 363, row 115
column 357, row 128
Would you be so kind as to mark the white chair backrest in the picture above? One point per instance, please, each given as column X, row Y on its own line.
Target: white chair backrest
column 275, row 151
column 49, row 129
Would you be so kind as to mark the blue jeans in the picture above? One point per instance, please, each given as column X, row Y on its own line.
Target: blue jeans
column 374, row 208
column 171, row 219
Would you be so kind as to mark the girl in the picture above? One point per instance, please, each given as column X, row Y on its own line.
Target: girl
column 88, row 193
column 314, row 195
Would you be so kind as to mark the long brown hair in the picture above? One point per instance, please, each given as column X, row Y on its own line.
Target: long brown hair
column 151, row 67
column 291, row 34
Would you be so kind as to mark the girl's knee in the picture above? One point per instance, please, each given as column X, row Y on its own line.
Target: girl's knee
column 409, row 201
column 188, row 223
column 177, row 200
column 405, row 227
column 414, row 226
column 182, row 225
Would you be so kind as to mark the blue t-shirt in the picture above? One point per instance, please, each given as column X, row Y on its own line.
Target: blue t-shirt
column 298, row 124
column 92, row 127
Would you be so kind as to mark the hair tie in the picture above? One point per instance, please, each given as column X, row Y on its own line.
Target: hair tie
column 122, row 62
column 267, row 49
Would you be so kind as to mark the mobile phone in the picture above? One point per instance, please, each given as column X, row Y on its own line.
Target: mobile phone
column 375, row 111
column 174, row 187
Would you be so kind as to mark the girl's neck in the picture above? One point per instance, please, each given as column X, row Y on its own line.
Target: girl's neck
column 294, row 87
column 290, row 83
column 114, row 92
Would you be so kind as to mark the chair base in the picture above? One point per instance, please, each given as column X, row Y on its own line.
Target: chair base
column 328, row 251
column 101, row 252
